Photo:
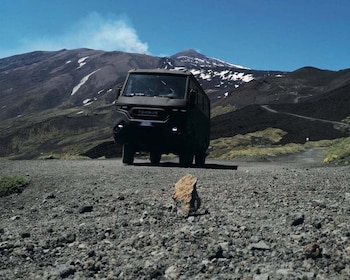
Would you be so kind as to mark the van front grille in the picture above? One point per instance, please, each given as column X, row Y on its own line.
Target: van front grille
column 148, row 114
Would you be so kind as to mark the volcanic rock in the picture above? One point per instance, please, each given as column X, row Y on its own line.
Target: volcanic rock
column 186, row 197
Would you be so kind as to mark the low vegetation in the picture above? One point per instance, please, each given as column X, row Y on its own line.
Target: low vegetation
column 10, row 184
column 260, row 144
column 339, row 151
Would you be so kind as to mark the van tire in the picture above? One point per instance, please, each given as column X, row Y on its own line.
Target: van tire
column 200, row 157
column 128, row 154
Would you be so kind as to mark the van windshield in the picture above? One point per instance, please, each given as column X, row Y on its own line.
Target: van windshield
column 156, row 85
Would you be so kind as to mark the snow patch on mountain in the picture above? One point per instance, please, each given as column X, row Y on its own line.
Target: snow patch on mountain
column 87, row 101
column 208, row 62
column 218, row 73
column 224, row 75
column 82, row 61
column 230, row 64
column 83, row 81
column 204, row 75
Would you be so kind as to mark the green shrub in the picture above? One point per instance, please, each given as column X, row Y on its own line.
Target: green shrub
column 10, row 184
column 339, row 151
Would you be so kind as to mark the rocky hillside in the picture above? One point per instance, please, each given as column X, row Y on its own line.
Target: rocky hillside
column 62, row 101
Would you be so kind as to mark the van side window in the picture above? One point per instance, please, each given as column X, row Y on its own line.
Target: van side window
column 202, row 102
column 192, row 87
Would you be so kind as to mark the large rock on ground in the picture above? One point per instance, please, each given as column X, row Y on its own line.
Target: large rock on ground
column 186, row 197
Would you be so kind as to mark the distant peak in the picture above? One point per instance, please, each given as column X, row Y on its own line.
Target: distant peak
column 189, row 52
column 198, row 58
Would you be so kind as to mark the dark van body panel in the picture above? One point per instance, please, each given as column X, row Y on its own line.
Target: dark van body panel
column 165, row 120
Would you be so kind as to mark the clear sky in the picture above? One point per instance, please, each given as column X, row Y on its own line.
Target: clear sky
column 259, row 34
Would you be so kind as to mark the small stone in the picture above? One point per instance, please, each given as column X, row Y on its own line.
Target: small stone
column 186, row 196
column 50, row 196
column 297, row 237
column 91, row 254
column 89, row 265
column 288, row 273
column 312, row 250
column 296, row 219
column 216, row 252
column 261, row 245
column 347, row 249
column 70, row 237
column 64, row 270
column 263, row 276
column 82, row 246
column 86, row 209
column 172, row 272
column 15, row 218
column 317, row 225
column 25, row 234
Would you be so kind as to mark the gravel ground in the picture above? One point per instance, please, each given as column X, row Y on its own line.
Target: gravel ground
column 98, row 219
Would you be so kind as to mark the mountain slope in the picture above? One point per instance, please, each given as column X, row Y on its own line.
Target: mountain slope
column 43, row 80
column 62, row 101
column 332, row 105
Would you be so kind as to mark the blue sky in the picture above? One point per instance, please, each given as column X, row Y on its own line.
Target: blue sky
column 259, row 34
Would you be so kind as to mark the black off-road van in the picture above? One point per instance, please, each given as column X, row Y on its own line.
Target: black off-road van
column 163, row 111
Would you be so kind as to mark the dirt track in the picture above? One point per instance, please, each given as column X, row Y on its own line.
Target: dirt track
column 99, row 219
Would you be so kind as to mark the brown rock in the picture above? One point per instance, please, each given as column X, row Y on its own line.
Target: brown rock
column 312, row 250
column 185, row 196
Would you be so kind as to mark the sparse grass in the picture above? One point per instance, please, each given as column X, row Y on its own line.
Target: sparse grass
column 220, row 110
column 10, row 184
column 230, row 147
column 343, row 128
column 339, row 151
column 260, row 144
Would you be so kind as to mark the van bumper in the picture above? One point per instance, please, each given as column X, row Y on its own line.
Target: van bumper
column 151, row 136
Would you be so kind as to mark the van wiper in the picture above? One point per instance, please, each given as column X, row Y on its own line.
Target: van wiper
column 164, row 96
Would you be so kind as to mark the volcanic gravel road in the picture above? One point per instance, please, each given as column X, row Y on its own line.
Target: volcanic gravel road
column 98, row 219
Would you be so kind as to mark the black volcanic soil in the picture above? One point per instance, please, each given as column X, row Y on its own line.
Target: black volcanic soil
column 98, row 219
column 255, row 118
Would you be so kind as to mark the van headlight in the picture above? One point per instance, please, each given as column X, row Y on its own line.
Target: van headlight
column 119, row 127
column 174, row 129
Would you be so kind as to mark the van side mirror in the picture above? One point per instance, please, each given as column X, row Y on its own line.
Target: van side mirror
column 192, row 97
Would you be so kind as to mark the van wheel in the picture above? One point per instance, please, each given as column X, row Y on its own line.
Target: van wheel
column 186, row 159
column 128, row 154
column 155, row 157
column 200, row 157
